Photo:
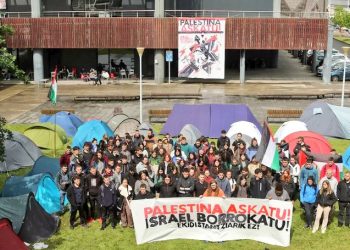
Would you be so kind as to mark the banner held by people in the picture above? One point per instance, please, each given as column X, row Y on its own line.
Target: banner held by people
column 201, row 43
column 212, row 219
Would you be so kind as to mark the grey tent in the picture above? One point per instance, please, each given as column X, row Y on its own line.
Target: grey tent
column 20, row 152
column 327, row 119
column 191, row 133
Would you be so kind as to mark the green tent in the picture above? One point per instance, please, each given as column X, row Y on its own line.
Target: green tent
column 43, row 135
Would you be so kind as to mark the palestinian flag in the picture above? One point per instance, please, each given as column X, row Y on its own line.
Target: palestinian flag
column 267, row 153
column 53, row 88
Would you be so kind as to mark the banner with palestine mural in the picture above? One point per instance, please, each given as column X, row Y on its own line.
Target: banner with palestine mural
column 201, row 45
column 212, row 219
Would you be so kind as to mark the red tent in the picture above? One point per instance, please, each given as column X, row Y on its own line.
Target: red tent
column 318, row 144
column 8, row 238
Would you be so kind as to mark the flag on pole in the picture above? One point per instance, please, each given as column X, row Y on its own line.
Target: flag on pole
column 53, row 88
column 267, row 153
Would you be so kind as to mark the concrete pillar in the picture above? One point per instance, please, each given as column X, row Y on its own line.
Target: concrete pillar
column 276, row 8
column 314, row 63
column 327, row 63
column 159, row 54
column 38, row 54
column 242, row 67
column 38, row 64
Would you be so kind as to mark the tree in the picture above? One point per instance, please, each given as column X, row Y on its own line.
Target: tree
column 7, row 60
column 5, row 134
column 341, row 17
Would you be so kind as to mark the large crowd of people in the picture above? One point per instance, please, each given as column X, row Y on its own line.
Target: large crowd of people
column 101, row 179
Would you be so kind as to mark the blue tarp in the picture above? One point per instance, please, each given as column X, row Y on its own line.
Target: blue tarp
column 45, row 164
column 210, row 119
column 42, row 186
column 89, row 130
column 69, row 122
column 346, row 159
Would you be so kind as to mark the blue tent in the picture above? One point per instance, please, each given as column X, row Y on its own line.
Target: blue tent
column 210, row 119
column 43, row 186
column 346, row 159
column 89, row 130
column 45, row 164
column 69, row 122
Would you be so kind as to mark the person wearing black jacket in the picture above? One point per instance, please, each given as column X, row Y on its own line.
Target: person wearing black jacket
column 167, row 189
column 259, row 186
column 325, row 200
column 107, row 197
column 132, row 177
column 87, row 156
column 185, row 184
column 222, row 140
column 76, row 198
column 143, row 193
column 200, row 185
column 343, row 193
column 93, row 181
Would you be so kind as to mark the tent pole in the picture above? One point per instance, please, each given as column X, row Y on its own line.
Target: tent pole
column 54, row 139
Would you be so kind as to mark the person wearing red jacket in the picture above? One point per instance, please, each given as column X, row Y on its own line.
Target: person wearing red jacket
column 332, row 166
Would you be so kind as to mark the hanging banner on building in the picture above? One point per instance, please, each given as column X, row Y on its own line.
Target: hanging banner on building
column 2, row 4
column 212, row 219
column 201, row 45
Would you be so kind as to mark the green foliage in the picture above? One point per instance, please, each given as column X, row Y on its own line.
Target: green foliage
column 4, row 135
column 7, row 60
column 341, row 17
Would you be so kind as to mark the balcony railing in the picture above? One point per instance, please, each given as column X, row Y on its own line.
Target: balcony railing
column 174, row 13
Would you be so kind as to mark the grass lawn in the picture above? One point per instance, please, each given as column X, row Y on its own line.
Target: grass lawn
column 93, row 238
column 343, row 39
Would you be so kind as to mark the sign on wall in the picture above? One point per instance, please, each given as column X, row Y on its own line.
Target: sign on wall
column 212, row 219
column 201, row 45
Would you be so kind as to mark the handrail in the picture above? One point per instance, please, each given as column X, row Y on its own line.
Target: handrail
column 174, row 13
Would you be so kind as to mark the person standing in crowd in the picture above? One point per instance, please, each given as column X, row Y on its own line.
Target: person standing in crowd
column 118, row 176
column 167, row 189
column 259, row 186
column 150, row 140
column 213, row 190
column 285, row 148
column 253, row 148
column 307, row 171
column 325, row 201
column 98, row 161
column 63, row 180
column 343, row 193
column 278, row 193
column 200, row 185
column 287, row 183
column 226, row 155
column 235, row 168
column 308, row 193
column 126, row 194
column 143, row 179
column 331, row 179
column 223, row 184
column 94, row 146
column 300, row 145
column 254, row 164
column 137, row 157
column 167, row 164
column 93, row 181
column 330, row 166
column 132, row 177
column 107, row 197
column 74, row 159
column 222, row 140
column 76, row 197
column 207, row 177
column 237, row 142
column 143, row 166
column 185, row 184
column 87, row 156
column 232, row 182
column 242, row 189
column 295, row 170
column 143, row 193
column 137, row 139
column 245, row 174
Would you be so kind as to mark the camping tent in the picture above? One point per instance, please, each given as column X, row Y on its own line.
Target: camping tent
column 318, row 144
column 191, row 133
column 210, row 119
column 346, row 158
column 288, row 128
column 248, row 130
column 144, row 127
column 69, row 122
column 29, row 220
column 89, row 130
column 8, row 238
column 20, row 152
column 45, row 164
column 327, row 119
column 41, row 185
column 43, row 135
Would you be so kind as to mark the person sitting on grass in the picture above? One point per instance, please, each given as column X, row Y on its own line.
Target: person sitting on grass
column 77, row 199
column 107, row 198
column 325, row 201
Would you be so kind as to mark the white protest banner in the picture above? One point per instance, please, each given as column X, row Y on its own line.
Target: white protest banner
column 201, row 46
column 212, row 219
